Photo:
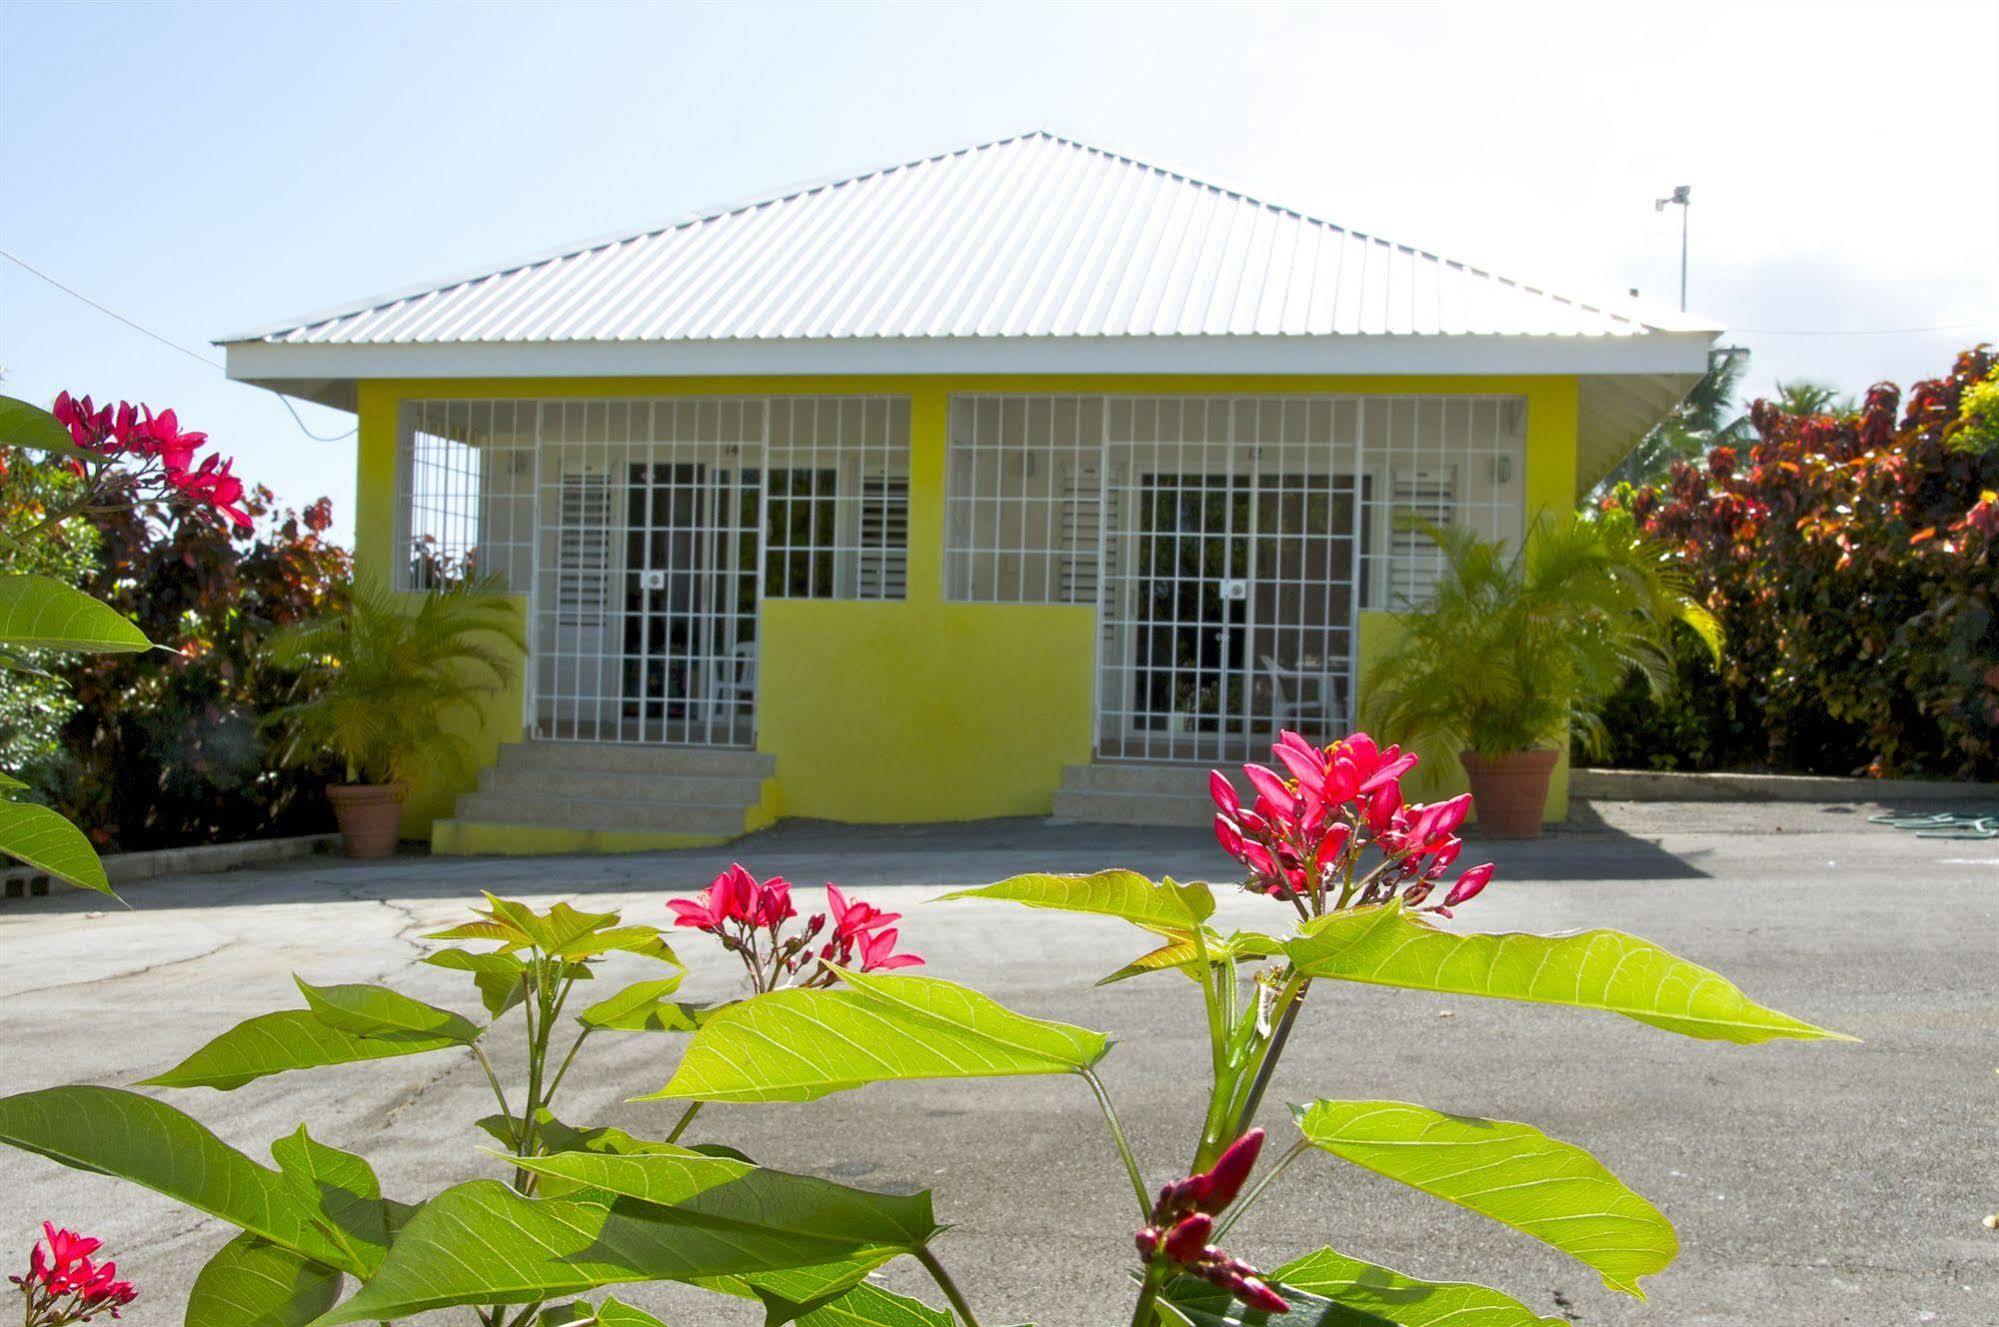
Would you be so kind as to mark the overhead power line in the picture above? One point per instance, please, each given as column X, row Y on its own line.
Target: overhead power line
column 1856, row 331
column 170, row 344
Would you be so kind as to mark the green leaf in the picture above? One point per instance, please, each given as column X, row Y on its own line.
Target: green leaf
column 801, row 1285
column 341, row 1190
column 1404, row 1300
column 613, row 1313
column 501, row 978
column 1605, row 970
column 482, row 1243
column 1513, row 1173
column 9, row 784
column 645, row 941
column 275, row 1043
column 108, row 1131
column 254, row 1283
column 38, row 837
column 24, row 425
column 1125, row 894
column 718, row 1193
column 866, row 1306
column 799, row 1045
column 549, row 931
column 40, row 613
column 641, row 1007
column 1189, row 1302
column 376, row 1012
column 1181, row 953
column 1173, row 956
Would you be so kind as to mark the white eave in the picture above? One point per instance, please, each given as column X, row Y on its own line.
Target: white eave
column 1030, row 255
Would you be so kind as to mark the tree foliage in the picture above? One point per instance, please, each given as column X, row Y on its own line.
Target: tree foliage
column 165, row 748
column 1851, row 560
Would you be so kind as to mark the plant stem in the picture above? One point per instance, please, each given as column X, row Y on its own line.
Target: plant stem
column 1123, row 1144
column 1289, row 1001
column 1298, row 1149
column 686, row 1118
column 573, row 1048
column 1144, row 1313
column 506, row 1112
column 947, row 1285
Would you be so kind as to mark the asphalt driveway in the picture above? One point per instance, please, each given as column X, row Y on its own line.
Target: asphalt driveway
column 1811, row 1183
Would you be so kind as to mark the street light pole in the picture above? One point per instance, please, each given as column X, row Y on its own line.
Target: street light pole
column 1683, row 195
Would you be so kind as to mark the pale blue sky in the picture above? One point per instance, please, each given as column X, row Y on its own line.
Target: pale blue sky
column 208, row 168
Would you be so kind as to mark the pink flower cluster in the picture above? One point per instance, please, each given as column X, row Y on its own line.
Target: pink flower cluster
column 1183, row 1221
column 162, row 453
column 63, row 1285
column 1304, row 835
column 748, row 916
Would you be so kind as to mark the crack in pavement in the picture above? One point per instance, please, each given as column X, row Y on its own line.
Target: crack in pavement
column 161, row 966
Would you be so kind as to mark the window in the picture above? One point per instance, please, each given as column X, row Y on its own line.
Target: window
column 465, row 493
column 1025, row 513
column 836, row 523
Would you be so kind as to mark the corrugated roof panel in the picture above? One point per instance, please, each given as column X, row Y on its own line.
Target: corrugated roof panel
column 1036, row 236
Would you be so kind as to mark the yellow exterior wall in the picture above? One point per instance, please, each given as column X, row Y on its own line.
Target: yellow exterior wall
column 919, row 709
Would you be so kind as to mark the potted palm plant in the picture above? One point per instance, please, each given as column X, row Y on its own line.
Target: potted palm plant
column 1519, row 648
column 378, row 686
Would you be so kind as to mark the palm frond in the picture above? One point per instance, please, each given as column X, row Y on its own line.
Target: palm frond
column 380, row 685
column 1515, row 647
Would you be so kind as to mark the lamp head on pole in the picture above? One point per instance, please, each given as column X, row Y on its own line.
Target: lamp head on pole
column 1682, row 194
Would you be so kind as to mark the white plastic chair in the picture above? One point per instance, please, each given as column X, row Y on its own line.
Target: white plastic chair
column 1305, row 700
column 737, row 686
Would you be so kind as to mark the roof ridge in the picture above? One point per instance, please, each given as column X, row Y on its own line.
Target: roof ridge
column 1635, row 318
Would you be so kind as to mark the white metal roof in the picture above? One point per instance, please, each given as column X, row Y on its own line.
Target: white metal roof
column 1034, row 236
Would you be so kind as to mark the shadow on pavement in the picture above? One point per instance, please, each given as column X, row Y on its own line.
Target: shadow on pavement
column 811, row 851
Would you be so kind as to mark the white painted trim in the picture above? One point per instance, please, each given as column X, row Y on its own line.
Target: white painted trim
column 1648, row 353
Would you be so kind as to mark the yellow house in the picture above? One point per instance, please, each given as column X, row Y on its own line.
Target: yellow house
column 1021, row 479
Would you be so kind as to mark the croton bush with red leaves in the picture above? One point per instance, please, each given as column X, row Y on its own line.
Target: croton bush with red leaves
column 152, row 736
column 1853, row 562
column 169, row 749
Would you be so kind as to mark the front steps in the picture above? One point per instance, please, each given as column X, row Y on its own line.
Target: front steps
column 1140, row 793
column 589, row 797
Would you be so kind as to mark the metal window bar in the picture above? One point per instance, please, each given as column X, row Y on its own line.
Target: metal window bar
column 659, row 527
column 1236, row 541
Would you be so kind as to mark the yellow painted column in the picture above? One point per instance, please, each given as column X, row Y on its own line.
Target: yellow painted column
column 375, row 480
column 929, row 429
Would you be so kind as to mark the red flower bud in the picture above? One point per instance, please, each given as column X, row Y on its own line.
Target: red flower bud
column 1224, row 1179
column 1253, row 1292
column 1188, row 1241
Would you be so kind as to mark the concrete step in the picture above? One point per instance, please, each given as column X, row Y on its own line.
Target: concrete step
column 594, row 813
column 1132, row 792
column 1132, row 778
column 1112, row 808
column 620, row 786
column 638, row 758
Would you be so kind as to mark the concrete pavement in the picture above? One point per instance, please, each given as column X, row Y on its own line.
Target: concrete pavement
column 1811, row 1183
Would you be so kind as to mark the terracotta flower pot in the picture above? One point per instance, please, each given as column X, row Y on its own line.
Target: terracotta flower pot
column 1510, row 792
column 369, row 816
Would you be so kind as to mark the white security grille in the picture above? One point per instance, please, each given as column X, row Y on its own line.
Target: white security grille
column 1023, row 511
column 1229, row 542
column 838, row 498
column 465, row 491
column 1452, row 460
column 664, row 523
